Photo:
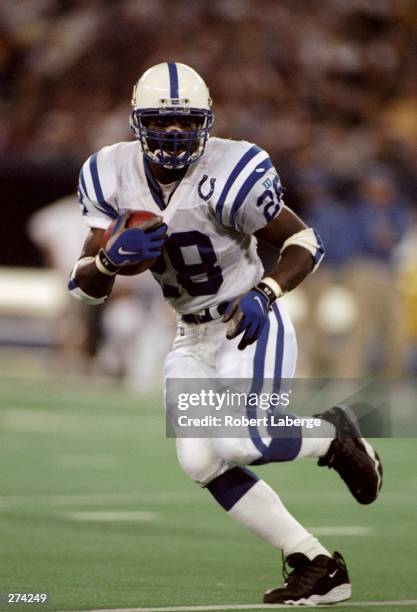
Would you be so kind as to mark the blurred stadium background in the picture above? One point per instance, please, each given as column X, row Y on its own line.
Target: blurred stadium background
column 328, row 88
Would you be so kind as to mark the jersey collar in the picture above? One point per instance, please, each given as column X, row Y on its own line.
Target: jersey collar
column 155, row 188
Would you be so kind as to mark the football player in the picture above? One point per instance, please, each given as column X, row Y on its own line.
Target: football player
column 215, row 198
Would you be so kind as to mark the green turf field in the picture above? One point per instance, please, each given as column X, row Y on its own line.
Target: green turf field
column 68, row 451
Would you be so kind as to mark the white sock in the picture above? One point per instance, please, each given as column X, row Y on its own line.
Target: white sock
column 262, row 511
column 316, row 442
column 310, row 547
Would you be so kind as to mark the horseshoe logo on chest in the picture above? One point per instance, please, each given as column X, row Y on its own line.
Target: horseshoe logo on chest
column 206, row 196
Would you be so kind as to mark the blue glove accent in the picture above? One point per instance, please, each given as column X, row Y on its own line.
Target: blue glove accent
column 134, row 245
column 247, row 314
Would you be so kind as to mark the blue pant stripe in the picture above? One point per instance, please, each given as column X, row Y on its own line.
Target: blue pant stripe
column 279, row 351
column 287, row 445
column 257, row 384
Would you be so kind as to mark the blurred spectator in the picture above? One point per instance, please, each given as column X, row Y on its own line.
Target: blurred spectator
column 322, row 80
column 334, row 221
column 59, row 231
column 406, row 267
column 382, row 217
column 360, row 237
column 381, row 214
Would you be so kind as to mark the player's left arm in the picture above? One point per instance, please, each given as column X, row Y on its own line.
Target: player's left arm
column 300, row 249
column 300, row 253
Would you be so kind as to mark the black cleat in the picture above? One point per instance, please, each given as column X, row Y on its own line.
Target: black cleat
column 352, row 456
column 324, row 580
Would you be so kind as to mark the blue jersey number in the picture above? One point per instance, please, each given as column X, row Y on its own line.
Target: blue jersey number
column 270, row 199
column 202, row 278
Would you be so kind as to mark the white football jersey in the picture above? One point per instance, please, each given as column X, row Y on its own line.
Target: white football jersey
column 210, row 255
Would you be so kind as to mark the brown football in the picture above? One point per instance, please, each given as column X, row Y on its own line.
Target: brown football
column 142, row 219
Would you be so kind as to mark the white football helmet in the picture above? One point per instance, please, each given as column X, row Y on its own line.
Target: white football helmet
column 171, row 114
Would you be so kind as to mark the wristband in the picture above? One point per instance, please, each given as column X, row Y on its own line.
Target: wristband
column 270, row 289
column 104, row 265
column 274, row 285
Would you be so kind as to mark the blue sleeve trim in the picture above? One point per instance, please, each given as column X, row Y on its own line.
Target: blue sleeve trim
column 104, row 206
column 321, row 251
column 72, row 284
column 253, row 178
column 82, row 184
column 254, row 150
column 173, row 79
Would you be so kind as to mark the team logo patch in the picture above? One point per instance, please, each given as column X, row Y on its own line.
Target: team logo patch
column 206, row 196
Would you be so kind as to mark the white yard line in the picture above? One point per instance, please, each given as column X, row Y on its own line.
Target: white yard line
column 99, row 498
column 391, row 498
column 348, row 530
column 353, row 604
column 112, row 517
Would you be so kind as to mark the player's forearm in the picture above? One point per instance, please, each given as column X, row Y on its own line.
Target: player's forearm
column 87, row 284
column 294, row 264
column 92, row 281
column 301, row 251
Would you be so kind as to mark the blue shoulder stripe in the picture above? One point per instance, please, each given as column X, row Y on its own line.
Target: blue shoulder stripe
column 253, row 178
column 173, row 79
column 254, row 150
column 105, row 206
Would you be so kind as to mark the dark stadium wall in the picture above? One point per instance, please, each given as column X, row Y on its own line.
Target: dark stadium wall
column 26, row 185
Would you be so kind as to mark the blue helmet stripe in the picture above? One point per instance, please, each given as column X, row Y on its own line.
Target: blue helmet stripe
column 109, row 210
column 253, row 178
column 173, row 79
column 254, row 150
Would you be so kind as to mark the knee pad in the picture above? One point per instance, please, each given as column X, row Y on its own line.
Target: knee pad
column 199, row 461
column 237, row 451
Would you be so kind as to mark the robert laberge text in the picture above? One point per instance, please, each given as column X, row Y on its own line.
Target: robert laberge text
column 244, row 421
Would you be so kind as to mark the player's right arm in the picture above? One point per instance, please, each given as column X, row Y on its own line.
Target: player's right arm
column 93, row 275
column 87, row 284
